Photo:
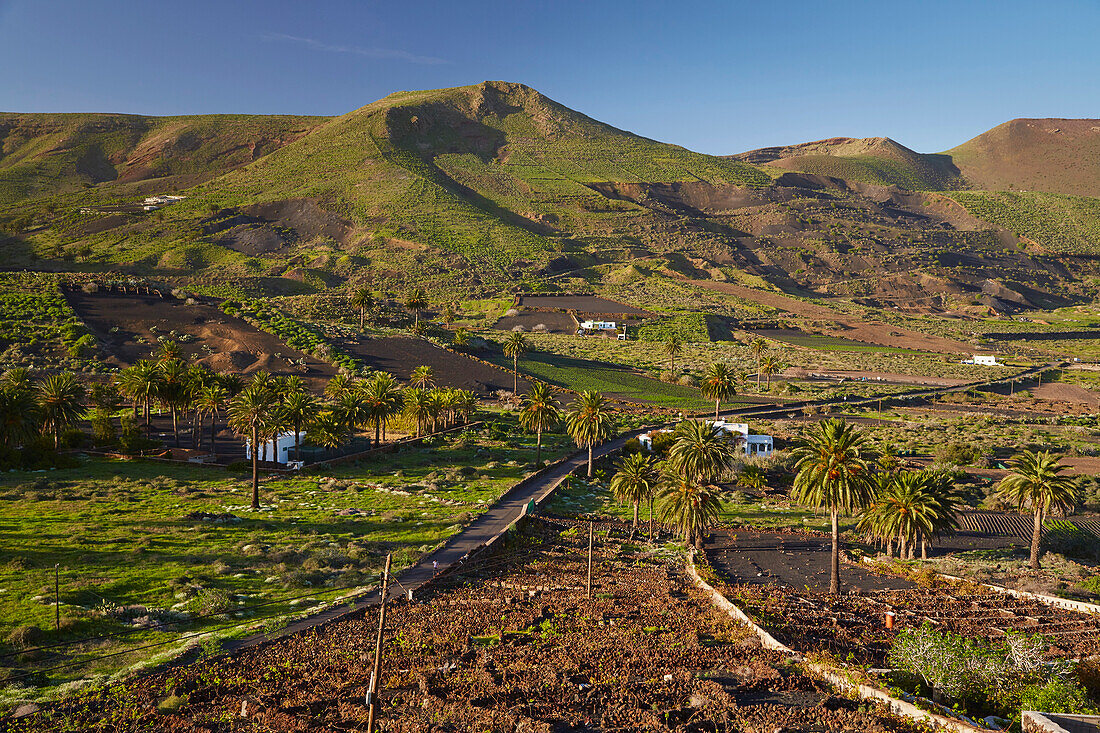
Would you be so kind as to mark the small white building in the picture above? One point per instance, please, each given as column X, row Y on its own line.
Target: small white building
column 983, row 360
column 279, row 449
column 753, row 446
column 599, row 326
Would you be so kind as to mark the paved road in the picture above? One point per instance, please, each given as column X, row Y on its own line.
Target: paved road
column 538, row 487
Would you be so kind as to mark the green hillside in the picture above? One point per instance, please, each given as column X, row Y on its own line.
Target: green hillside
column 47, row 154
column 877, row 160
column 1057, row 223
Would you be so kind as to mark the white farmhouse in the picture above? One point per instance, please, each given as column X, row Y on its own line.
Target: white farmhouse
column 279, row 449
column 753, row 446
column 598, row 325
column 983, row 360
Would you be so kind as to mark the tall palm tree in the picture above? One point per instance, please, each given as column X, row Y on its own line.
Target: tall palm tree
column 465, row 404
column 417, row 406
column 351, row 409
column 718, row 384
column 674, row 346
column 362, row 300
column 588, row 422
column 60, row 399
column 436, row 406
column 770, row 365
column 702, row 451
column 758, row 346
column 906, row 508
column 299, row 409
column 832, row 474
column 515, row 346
column 210, row 402
column 1035, row 483
column 416, row 302
column 174, row 391
column 539, row 412
column 250, row 413
column 635, row 481
column 688, row 505
column 382, row 399
column 422, row 376
column 141, row 382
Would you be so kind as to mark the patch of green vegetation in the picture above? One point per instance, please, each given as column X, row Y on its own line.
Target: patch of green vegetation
column 134, row 550
column 687, row 326
column 1057, row 222
column 926, row 173
column 296, row 334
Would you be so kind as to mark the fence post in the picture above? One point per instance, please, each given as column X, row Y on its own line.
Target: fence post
column 372, row 692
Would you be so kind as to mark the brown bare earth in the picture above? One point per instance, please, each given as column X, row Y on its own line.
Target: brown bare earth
column 847, row 326
column 399, row 356
column 1057, row 392
column 551, row 322
column 1056, row 155
column 128, row 328
column 581, row 304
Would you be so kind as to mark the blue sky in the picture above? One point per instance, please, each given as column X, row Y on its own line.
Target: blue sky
column 718, row 77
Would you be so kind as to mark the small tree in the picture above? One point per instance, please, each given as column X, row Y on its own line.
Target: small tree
column 422, row 376
column 362, row 300
column 515, row 346
column 416, row 302
column 588, row 422
column 1036, row 484
column 718, row 385
column 635, row 481
column 539, row 412
column 758, row 346
column 674, row 346
column 60, row 400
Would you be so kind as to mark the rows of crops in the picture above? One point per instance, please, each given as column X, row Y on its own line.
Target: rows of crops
column 296, row 334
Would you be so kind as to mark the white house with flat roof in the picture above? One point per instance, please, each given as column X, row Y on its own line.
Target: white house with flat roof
column 753, row 446
column 983, row 360
column 279, row 449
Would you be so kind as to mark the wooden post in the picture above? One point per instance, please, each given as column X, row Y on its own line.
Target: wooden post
column 57, row 597
column 590, row 530
column 372, row 692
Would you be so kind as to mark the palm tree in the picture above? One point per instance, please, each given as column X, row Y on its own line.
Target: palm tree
column 465, row 404
column 758, row 346
column 19, row 377
column 19, row 414
column 339, row 384
column 448, row 314
column 906, row 508
column 382, row 399
column 327, row 430
column 435, row 406
column 702, row 451
column 173, row 391
column 422, row 376
column 688, row 505
column 515, row 346
column 417, row 406
column 1035, row 483
column 362, row 299
column 539, row 412
column 169, row 351
column 350, row 408
column 461, row 339
column 674, row 346
column 250, row 414
column 416, row 302
column 141, row 382
column 588, row 422
column 770, row 365
column 718, row 385
column 753, row 477
column 832, row 474
column 210, row 401
column 635, row 481
column 299, row 409
column 60, row 398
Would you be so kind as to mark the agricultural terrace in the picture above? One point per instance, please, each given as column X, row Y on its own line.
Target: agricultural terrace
column 38, row 327
column 153, row 553
column 510, row 642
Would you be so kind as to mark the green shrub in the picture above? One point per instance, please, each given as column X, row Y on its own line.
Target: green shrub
column 1057, row 696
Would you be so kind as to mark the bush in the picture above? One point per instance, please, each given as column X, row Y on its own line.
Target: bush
column 25, row 637
column 958, row 454
column 1057, row 696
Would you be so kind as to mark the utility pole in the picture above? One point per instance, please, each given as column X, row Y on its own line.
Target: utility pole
column 372, row 691
column 57, row 597
column 590, row 526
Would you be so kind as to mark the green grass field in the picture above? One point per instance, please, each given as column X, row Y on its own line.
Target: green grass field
column 122, row 536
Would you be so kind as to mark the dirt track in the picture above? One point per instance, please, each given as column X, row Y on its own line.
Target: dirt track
column 222, row 342
column 848, row 327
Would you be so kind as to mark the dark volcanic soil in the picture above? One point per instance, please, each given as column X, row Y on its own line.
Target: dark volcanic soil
column 399, row 356
column 233, row 345
column 581, row 304
column 530, row 320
